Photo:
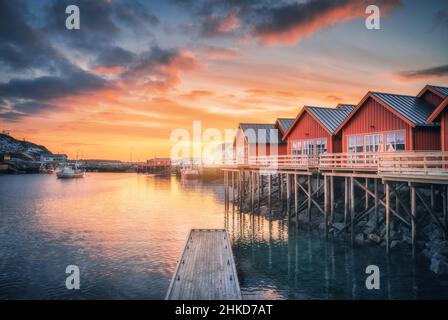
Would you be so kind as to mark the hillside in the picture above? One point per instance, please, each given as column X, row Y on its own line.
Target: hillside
column 9, row 145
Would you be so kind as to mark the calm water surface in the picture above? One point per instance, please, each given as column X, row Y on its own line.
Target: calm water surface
column 126, row 232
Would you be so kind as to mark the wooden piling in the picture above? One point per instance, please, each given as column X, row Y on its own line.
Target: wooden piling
column 414, row 218
column 326, row 205
column 352, row 209
column 346, row 199
column 310, row 188
column 288, row 194
column 387, row 218
column 296, row 200
column 270, row 193
column 331, row 199
column 376, row 212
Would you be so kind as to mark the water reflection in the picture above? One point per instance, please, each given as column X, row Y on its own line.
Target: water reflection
column 126, row 232
column 277, row 262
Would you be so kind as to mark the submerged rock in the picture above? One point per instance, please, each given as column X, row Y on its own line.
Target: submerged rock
column 374, row 238
column 359, row 238
column 439, row 264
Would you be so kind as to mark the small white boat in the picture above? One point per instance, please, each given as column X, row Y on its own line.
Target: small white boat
column 70, row 172
column 189, row 173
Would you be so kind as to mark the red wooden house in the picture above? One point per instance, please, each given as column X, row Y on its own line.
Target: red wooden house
column 256, row 140
column 440, row 115
column 283, row 124
column 313, row 130
column 390, row 122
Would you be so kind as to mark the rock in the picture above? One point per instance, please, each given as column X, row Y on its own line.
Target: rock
column 264, row 210
column 394, row 244
column 439, row 264
column 359, row 238
column 322, row 226
column 435, row 234
column 338, row 226
column 374, row 238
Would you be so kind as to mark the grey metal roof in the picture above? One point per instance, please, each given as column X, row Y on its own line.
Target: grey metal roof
column 442, row 90
column 256, row 133
column 331, row 118
column 285, row 123
column 412, row 108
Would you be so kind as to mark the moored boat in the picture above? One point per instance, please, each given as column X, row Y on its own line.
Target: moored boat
column 70, row 172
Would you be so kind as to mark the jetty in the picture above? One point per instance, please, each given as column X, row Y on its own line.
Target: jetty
column 206, row 269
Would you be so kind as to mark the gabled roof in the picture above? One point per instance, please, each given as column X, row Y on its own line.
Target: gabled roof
column 437, row 111
column 284, row 124
column 328, row 118
column 331, row 118
column 440, row 91
column 253, row 135
column 412, row 110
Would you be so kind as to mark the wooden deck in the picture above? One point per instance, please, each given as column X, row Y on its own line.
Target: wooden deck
column 206, row 269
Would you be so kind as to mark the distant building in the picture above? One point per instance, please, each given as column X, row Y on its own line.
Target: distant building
column 53, row 157
column 4, row 157
column 159, row 162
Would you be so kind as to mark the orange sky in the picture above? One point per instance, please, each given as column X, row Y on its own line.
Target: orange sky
column 221, row 81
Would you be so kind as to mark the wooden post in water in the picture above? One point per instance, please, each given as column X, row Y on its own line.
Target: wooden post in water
column 252, row 197
column 280, row 189
column 367, row 193
column 414, row 218
column 310, row 188
column 270, row 192
column 377, row 216
column 432, row 197
column 326, row 204
column 352, row 209
column 233, row 191
column 296, row 200
column 332, row 199
column 259, row 186
column 387, row 218
column 288, row 194
column 346, row 199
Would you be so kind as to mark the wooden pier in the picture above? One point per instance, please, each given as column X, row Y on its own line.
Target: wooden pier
column 206, row 269
column 382, row 187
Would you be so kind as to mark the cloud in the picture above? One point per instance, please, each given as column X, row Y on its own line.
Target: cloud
column 197, row 94
column 433, row 72
column 291, row 22
column 441, row 19
column 219, row 53
column 279, row 23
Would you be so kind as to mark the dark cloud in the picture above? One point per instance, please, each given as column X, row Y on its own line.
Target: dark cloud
column 114, row 56
column 103, row 22
column 22, row 48
column 434, row 72
column 51, row 87
column 280, row 21
column 441, row 19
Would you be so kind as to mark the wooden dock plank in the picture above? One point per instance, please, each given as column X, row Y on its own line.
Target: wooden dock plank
column 206, row 269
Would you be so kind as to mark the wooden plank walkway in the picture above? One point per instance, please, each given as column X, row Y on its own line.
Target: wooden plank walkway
column 206, row 269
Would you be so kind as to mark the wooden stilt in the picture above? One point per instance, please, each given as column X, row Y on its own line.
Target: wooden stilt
column 259, row 186
column 310, row 187
column 387, row 218
column 296, row 200
column 270, row 193
column 288, row 194
column 377, row 216
column 352, row 209
column 367, row 194
column 433, row 196
column 331, row 199
column 233, row 191
column 252, row 196
column 346, row 198
column 414, row 217
column 280, row 189
column 326, row 205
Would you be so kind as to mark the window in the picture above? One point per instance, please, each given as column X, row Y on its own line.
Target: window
column 373, row 143
column 296, row 148
column 355, row 144
column 321, row 146
column 395, row 141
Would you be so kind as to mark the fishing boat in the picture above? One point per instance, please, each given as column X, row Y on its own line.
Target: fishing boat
column 70, row 172
column 189, row 173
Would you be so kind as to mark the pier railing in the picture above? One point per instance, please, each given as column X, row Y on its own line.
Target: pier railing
column 400, row 162
column 405, row 163
column 285, row 161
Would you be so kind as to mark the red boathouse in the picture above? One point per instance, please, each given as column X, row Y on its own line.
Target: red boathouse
column 313, row 130
column 390, row 122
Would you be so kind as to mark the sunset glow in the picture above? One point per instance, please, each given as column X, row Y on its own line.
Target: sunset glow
column 137, row 70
